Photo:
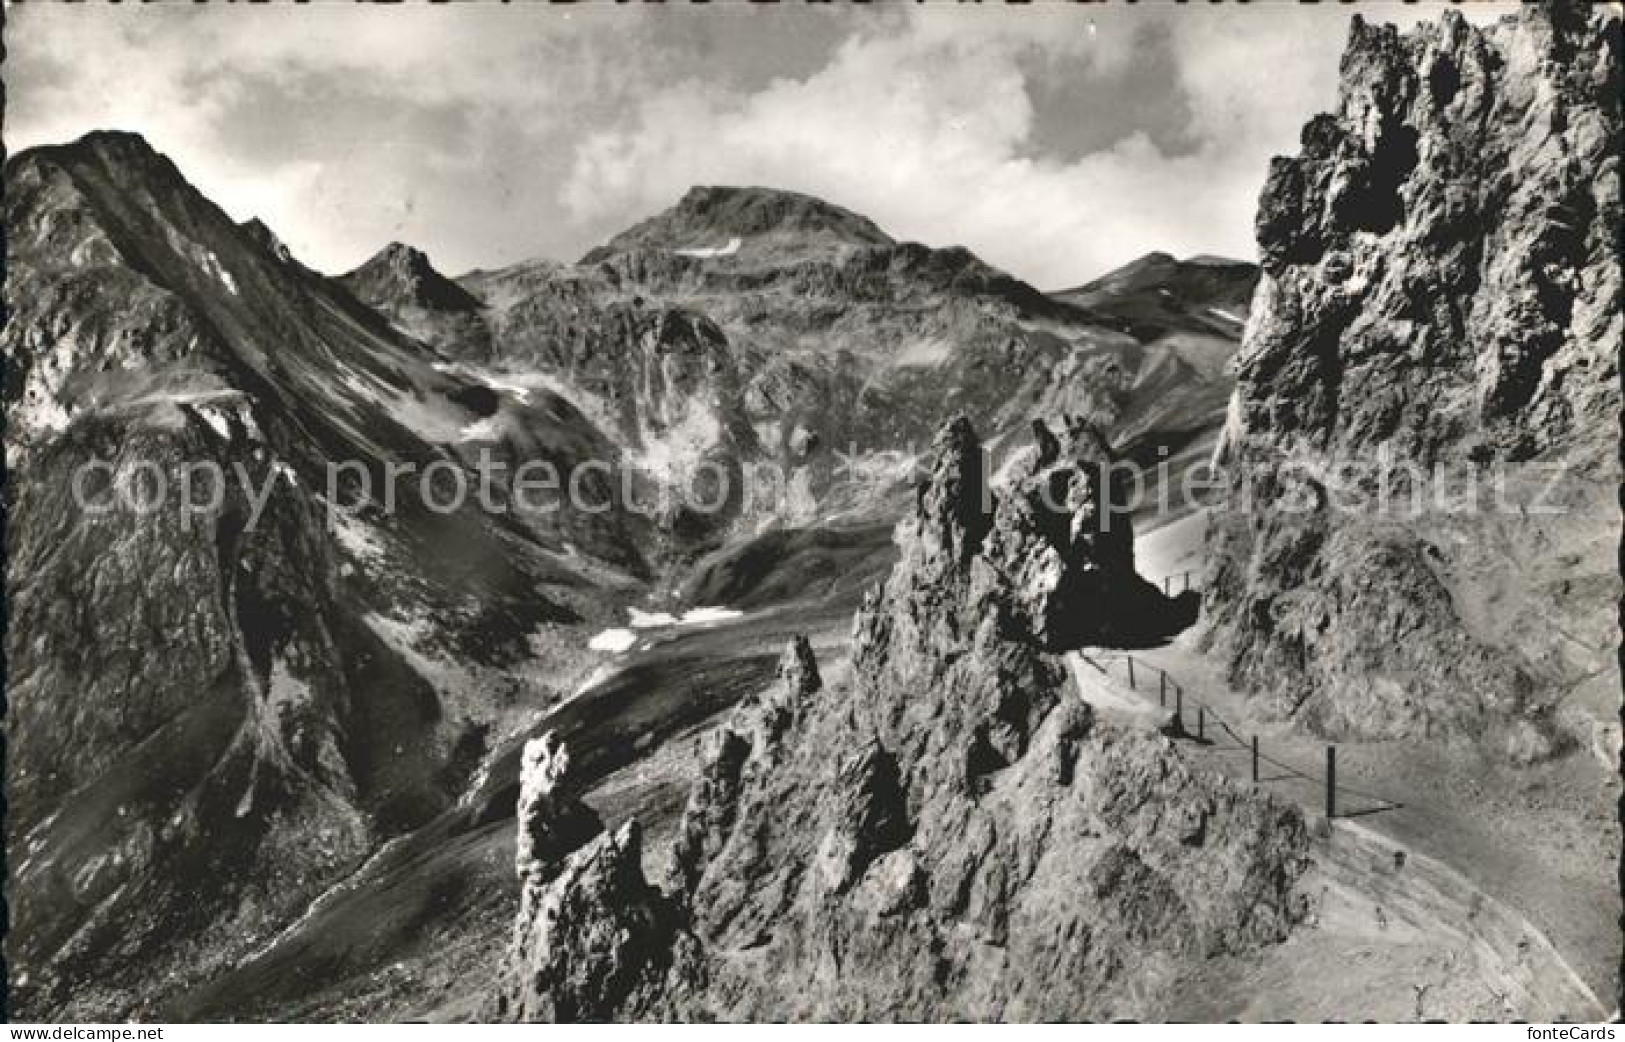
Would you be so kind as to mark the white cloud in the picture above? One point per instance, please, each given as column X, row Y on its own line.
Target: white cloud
column 928, row 131
column 489, row 133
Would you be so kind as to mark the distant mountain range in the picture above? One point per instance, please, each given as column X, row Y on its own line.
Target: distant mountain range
column 337, row 672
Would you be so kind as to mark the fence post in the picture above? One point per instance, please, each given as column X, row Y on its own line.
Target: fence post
column 1167, row 585
column 1162, row 687
column 1179, row 706
column 1255, row 759
column 1131, row 672
column 1201, row 722
column 1331, row 782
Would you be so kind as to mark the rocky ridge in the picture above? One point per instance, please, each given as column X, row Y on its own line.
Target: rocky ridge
column 951, row 834
column 777, row 328
column 341, row 669
column 259, row 684
column 1442, row 289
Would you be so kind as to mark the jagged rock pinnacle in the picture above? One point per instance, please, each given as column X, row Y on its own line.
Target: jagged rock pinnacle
column 552, row 822
column 798, row 668
column 953, row 508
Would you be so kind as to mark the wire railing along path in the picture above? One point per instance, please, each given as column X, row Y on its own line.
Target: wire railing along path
column 1199, row 721
column 1177, row 582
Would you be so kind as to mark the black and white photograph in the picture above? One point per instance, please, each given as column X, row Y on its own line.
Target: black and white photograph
column 756, row 512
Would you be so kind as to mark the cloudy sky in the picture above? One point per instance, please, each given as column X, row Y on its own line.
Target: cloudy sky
column 1056, row 141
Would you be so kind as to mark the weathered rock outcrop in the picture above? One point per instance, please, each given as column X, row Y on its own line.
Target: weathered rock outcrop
column 951, row 833
column 1441, row 290
column 553, row 823
column 592, row 936
column 1441, row 263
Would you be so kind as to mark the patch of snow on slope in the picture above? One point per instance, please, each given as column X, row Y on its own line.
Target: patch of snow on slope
column 216, row 420
column 614, row 641
column 644, row 620
column 486, row 429
column 217, row 408
column 499, row 383
column 713, row 251
column 212, row 265
column 1229, row 316
column 598, row 676
column 697, row 616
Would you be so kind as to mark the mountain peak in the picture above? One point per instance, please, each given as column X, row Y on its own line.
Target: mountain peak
column 403, row 258
column 1159, row 293
column 403, row 274
column 708, row 220
column 261, row 234
column 125, row 152
column 752, row 210
column 126, row 143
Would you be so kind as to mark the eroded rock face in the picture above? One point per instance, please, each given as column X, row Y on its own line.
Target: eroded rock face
column 1440, row 263
column 553, row 823
column 1441, row 290
column 951, row 833
column 1058, row 564
column 593, row 938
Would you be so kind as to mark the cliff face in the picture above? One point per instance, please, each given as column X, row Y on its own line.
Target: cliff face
column 951, row 833
column 1441, row 289
column 223, row 694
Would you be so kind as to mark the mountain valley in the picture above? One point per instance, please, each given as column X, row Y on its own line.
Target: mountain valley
column 810, row 693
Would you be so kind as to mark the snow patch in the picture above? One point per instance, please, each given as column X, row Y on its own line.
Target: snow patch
column 212, row 265
column 614, row 641
column 499, row 383
column 1228, row 316
column 40, row 414
column 487, row 429
column 698, row 616
column 728, row 250
column 217, row 408
column 216, row 420
column 647, row 620
column 598, row 676
column 643, row 620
